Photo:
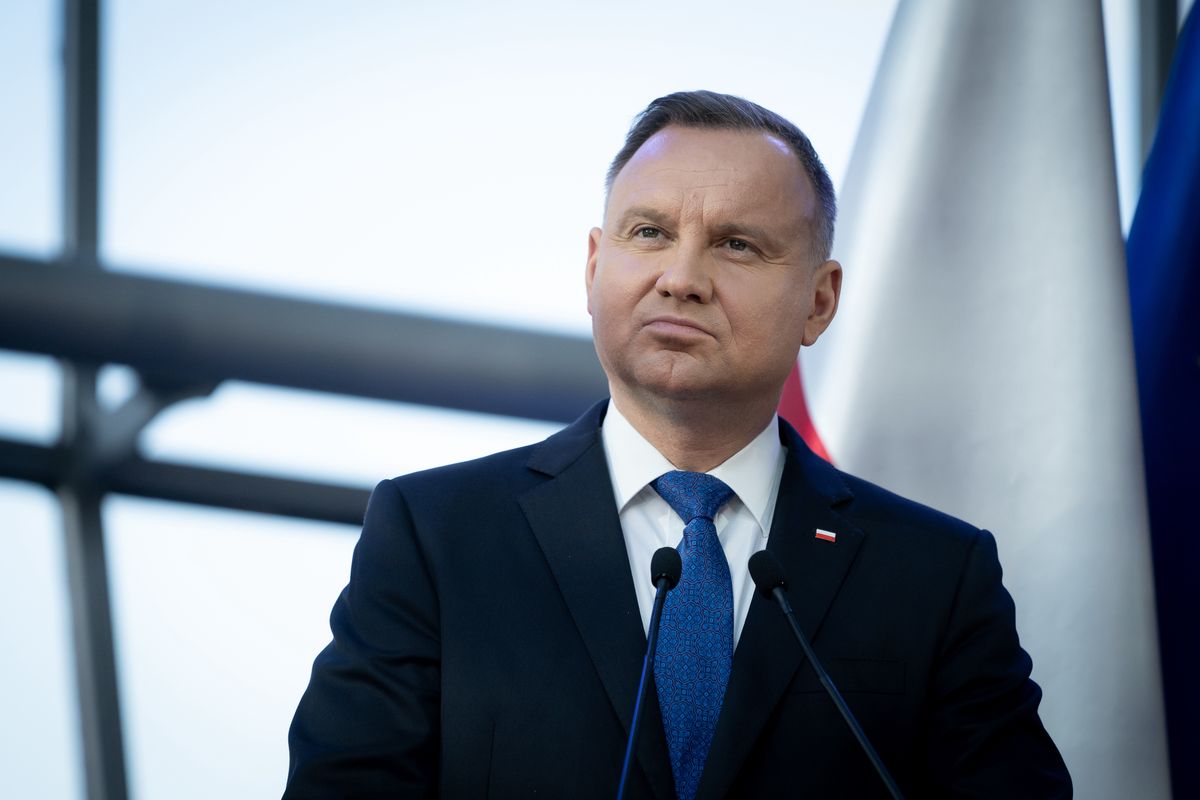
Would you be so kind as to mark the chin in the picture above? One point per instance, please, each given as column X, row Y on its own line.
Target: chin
column 681, row 387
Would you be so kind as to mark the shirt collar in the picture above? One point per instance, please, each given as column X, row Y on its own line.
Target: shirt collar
column 633, row 463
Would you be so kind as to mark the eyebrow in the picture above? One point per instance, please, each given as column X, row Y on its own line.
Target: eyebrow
column 644, row 212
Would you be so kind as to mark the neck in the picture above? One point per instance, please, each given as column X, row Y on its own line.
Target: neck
column 694, row 436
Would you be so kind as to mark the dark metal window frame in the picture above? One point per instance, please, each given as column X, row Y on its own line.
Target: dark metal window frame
column 184, row 340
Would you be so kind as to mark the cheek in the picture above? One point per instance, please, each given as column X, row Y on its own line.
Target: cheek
column 610, row 305
column 765, row 322
column 620, row 283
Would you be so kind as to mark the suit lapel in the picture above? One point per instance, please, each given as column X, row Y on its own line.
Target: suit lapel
column 574, row 518
column 767, row 655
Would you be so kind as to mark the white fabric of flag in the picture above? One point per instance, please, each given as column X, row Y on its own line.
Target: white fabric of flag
column 982, row 361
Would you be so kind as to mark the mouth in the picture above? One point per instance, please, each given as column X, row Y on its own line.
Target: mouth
column 674, row 327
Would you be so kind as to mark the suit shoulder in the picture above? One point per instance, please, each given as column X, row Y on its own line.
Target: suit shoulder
column 873, row 508
column 878, row 509
column 505, row 467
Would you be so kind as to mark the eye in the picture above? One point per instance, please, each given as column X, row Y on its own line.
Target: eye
column 738, row 245
column 647, row 232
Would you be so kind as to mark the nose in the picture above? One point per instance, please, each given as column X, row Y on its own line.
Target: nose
column 686, row 278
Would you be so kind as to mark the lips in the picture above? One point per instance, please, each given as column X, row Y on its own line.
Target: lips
column 674, row 326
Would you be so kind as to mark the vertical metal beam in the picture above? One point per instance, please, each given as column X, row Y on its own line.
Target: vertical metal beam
column 81, row 128
column 1158, row 28
column 91, row 614
column 87, row 567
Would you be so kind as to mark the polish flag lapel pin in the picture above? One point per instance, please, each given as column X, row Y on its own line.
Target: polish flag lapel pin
column 826, row 536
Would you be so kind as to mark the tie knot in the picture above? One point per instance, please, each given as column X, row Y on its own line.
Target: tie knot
column 692, row 494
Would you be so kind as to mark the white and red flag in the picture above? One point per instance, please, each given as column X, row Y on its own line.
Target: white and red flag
column 982, row 360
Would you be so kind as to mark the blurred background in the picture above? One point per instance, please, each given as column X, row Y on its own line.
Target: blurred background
column 173, row 536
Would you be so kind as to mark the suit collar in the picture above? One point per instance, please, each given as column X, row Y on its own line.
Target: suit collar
column 753, row 472
column 562, row 449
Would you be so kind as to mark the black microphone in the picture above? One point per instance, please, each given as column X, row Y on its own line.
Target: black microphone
column 768, row 577
column 665, row 569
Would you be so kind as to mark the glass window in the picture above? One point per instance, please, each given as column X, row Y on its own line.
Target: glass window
column 218, row 616
column 446, row 157
column 40, row 751
column 30, row 392
column 29, row 128
column 1121, row 52
column 326, row 437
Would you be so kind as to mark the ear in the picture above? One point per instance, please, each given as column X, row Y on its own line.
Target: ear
column 826, row 289
column 590, row 273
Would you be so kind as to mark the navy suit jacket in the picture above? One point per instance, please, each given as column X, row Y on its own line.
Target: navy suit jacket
column 489, row 644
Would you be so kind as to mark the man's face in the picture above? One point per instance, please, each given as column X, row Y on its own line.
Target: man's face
column 703, row 283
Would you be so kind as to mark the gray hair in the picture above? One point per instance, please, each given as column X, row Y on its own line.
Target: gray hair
column 710, row 110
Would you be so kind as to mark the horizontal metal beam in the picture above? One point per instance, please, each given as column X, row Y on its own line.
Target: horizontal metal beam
column 50, row 467
column 192, row 333
column 29, row 462
column 239, row 491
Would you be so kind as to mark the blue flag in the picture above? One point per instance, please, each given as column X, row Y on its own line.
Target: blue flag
column 1164, row 289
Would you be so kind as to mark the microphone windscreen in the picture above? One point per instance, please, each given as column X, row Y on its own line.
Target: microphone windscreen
column 666, row 564
column 766, row 572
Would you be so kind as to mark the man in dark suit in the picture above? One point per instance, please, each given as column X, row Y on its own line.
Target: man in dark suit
column 490, row 640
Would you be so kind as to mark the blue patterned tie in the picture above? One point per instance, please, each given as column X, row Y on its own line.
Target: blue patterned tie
column 695, row 645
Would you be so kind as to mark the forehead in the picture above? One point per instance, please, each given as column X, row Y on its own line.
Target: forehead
column 710, row 170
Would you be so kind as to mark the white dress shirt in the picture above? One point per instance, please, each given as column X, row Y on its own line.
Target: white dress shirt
column 649, row 523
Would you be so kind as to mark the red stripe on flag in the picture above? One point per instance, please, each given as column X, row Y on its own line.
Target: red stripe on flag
column 794, row 408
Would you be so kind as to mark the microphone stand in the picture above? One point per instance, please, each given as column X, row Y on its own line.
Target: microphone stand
column 833, row 692
column 767, row 574
column 662, row 584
